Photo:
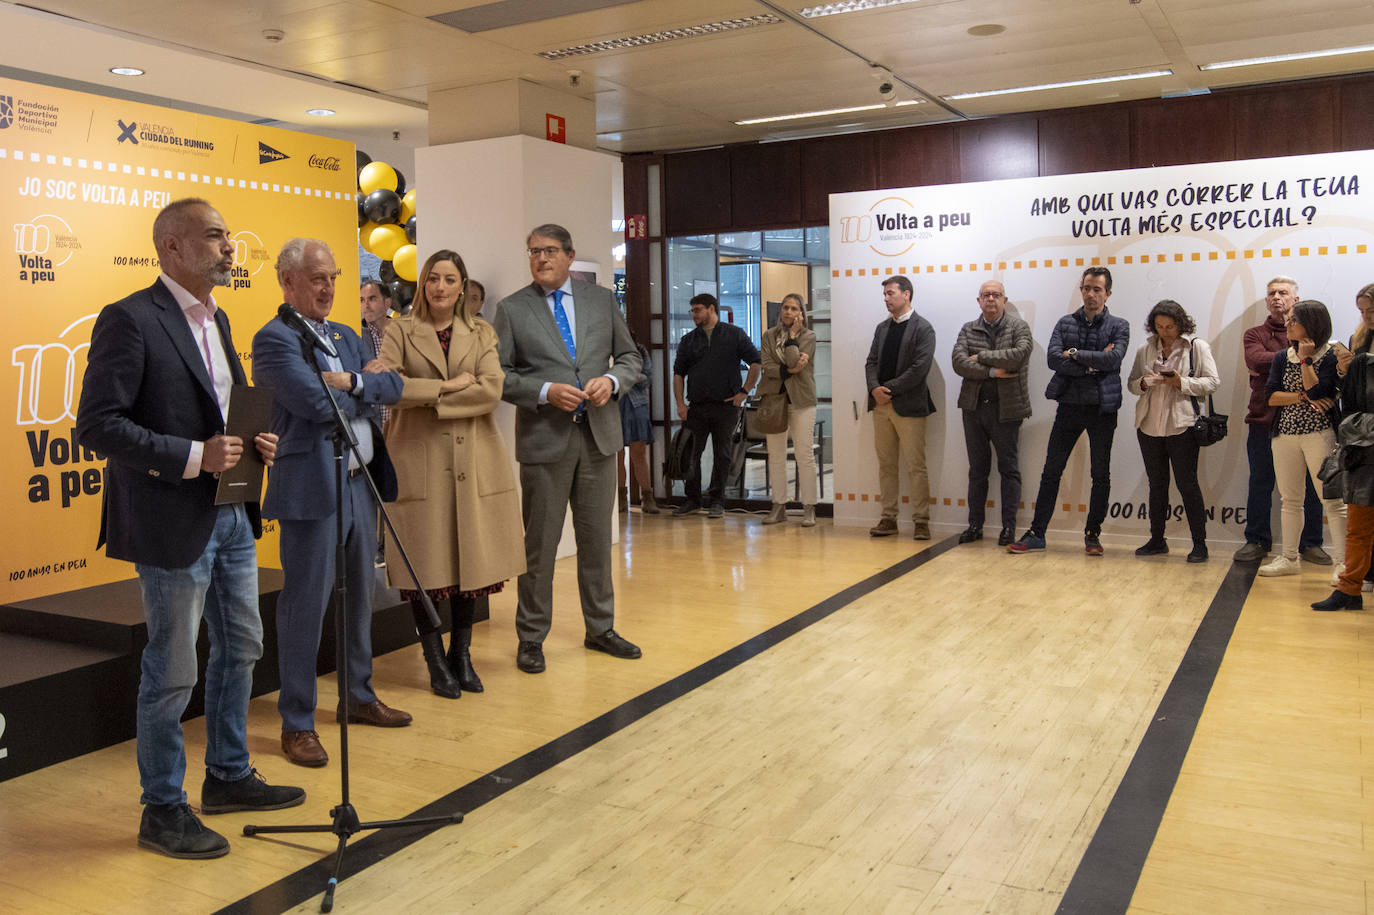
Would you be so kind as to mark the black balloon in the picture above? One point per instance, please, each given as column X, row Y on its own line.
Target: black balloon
column 382, row 207
column 400, row 181
column 387, row 273
column 363, row 160
column 362, row 211
column 410, row 230
column 402, row 294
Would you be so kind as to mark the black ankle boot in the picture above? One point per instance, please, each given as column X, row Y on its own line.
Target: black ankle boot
column 441, row 679
column 460, row 661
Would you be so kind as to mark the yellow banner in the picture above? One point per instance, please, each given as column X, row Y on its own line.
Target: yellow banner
column 81, row 178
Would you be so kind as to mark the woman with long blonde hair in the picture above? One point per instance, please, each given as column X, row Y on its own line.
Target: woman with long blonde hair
column 789, row 368
column 457, row 512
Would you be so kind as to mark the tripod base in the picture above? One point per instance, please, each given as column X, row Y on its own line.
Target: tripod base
column 344, row 825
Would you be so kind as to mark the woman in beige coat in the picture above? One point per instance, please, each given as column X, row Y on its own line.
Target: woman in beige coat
column 789, row 351
column 457, row 511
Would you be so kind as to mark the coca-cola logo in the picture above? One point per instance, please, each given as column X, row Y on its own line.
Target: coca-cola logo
column 328, row 163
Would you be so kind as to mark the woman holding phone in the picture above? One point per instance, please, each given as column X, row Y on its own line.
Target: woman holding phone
column 1171, row 368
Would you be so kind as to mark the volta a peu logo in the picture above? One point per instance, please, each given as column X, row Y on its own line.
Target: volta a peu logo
column 268, row 154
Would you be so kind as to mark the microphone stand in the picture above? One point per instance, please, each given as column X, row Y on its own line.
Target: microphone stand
column 344, row 818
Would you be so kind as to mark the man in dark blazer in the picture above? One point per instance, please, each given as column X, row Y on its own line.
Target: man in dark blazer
column 301, row 496
column 898, row 363
column 567, row 353
column 158, row 378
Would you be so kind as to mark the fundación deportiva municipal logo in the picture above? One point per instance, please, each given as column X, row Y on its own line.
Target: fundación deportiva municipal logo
column 268, row 154
column 6, row 111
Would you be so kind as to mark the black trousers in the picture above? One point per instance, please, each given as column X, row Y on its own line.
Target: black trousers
column 718, row 420
column 985, row 433
column 1160, row 453
column 1070, row 422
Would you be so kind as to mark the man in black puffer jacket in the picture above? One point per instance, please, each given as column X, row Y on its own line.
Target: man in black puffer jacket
column 1085, row 354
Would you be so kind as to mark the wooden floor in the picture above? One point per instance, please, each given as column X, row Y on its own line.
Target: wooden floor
column 946, row 740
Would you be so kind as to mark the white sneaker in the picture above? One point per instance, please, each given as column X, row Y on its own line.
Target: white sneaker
column 1280, row 565
column 1336, row 575
column 1367, row 586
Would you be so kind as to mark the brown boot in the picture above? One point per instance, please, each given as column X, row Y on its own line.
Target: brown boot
column 647, row 503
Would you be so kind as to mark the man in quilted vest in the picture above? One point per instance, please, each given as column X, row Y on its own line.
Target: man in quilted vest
column 1085, row 354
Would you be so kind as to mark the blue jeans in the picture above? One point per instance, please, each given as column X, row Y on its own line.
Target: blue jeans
column 1259, row 503
column 222, row 587
column 1070, row 421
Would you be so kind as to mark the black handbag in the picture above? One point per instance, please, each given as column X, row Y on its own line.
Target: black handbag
column 1210, row 427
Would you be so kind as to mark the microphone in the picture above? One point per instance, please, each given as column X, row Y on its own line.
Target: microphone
column 292, row 319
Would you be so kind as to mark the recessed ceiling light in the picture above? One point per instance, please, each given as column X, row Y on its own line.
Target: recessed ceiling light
column 848, row 6
column 821, row 114
column 126, row 71
column 320, row 112
column 635, row 41
column 1063, row 85
column 1281, row 58
column 983, row 31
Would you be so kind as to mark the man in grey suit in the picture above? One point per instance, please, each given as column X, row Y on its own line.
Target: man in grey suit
column 567, row 354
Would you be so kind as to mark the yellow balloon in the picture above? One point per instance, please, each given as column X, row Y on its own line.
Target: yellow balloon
column 403, row 261
column 376, row 176
column 407, row 207
column 364, row 231
column 385, row 240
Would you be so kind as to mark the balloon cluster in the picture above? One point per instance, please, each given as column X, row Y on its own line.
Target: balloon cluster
column 386, row 226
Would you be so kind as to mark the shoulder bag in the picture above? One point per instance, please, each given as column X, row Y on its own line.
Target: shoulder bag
column 1210, row 427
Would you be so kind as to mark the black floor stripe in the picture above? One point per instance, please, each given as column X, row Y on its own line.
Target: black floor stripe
column 1106, row 878
column 371, row 848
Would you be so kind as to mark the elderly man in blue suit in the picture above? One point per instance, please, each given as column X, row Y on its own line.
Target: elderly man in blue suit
column 161, row 368
column 567, row 353
column 301, row 496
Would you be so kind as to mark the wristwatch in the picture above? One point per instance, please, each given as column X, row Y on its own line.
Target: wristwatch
column 1308, row 361
column 1071, row 352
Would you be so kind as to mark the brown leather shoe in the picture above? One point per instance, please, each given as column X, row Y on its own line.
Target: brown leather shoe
column 378, row 714
column 303, row 748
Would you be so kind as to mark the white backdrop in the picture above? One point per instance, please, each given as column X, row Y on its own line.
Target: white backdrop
column 1209, row 236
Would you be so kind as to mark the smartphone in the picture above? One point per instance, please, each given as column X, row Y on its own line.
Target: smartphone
column 1168, row 373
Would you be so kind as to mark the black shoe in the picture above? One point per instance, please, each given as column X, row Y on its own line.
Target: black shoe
column 1199, row 553
column 441, row 680
column 716, row 510
column 460, row 660
column 1006, row 536
column 1155, row 546
column 687, row 508
column 971, row 534
column 248, row 793
column 529, row 657
column 611, row 643
column 1339, row 600
column 173, row 830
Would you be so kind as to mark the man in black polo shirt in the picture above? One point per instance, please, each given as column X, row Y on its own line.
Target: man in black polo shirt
column 707, row 365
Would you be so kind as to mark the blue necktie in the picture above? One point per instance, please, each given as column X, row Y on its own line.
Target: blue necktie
column 561, row 318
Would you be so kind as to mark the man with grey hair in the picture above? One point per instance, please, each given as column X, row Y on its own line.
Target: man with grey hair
column 301, row 495
column 1262, row 344
column 567, row 353
column 159, row 374
column 992, row 355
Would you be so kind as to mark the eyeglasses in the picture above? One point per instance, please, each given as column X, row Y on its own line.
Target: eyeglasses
column 991, row 296
column 549, row 251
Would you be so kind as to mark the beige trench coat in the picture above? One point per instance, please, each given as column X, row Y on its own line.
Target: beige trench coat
column 458, row 511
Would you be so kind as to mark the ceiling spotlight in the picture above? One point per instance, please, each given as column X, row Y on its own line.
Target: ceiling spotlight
column 984, row 31
column 126, row 71
column 320, row 112
column 273, row 35
column 887, row 92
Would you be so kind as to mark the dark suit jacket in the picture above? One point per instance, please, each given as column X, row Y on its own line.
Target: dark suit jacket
column 300, row 485
column 532, row 353
column 910, row 395
column 145, row 398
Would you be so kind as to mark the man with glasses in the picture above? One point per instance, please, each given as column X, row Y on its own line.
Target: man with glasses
column 1262, row 344
column 567, row 353
column 301, row 495
column 992, row 355
column 1085, row 354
